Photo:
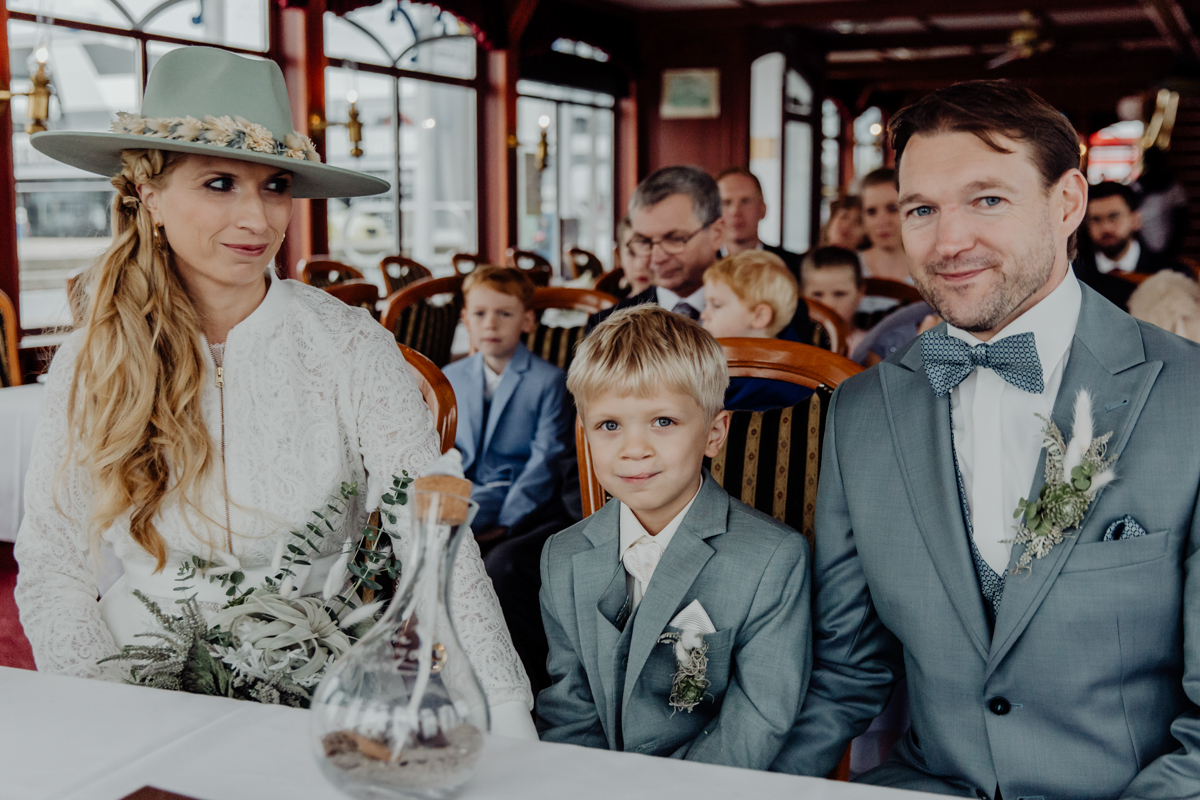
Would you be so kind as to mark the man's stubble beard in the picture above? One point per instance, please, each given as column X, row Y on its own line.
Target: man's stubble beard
column 1033, row 269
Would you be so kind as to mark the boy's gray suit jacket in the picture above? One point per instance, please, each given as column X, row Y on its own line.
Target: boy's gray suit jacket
column 612, row 679
column 1088, row 687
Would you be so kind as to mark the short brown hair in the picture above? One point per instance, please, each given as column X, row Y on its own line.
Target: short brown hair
column 757, row 277
column 745, row 173
column 643, row 350
column 988, row 109
column 832, row 257
column 506, row 280
column 879, row 177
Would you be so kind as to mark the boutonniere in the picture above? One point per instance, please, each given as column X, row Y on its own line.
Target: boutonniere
column 1075, row 472
column 689, row 684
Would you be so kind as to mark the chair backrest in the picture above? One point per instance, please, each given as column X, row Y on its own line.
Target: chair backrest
column 833, row 333
column 321, row 272
column 438, row 394
column 465, row 263
column 1136, row 278
column 897, row 290
column 360, row 293
column 771, row 458
column 424, row 314
column 535, row 266
column 583, row 262
column 612, row 283
column 587, row 300
column 10, row 366
column 400, row 271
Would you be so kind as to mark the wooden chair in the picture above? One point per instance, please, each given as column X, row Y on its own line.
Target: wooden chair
column 360, row 293
column 1136, row 278
column 438, row 394
column 399, row 272
column 832, row 332
column 10, row 365
column 557, row 344
column 535, row 266
column 321, row 272
column 610, row 283
column 897, row 290
column 465, row 263
column 424, row 315
column 583, row 262
column 771, row 458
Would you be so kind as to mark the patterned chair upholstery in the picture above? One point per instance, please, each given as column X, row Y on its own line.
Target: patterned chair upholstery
column 10, row 368
column 424, row 315
column 556, row 345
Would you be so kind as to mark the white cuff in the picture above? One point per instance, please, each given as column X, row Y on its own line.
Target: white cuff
column 511, row 719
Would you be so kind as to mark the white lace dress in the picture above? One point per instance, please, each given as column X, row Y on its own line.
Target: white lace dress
column 314, row 393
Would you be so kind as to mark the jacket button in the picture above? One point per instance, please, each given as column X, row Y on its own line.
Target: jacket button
column 999, row 706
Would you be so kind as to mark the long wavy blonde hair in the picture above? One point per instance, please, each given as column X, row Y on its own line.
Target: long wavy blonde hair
column 135, row 407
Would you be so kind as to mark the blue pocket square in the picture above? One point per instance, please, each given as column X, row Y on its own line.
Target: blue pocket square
column 1125, row 528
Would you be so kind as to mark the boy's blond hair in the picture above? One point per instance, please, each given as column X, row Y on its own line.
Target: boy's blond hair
column 506, row 280
column 642, row 350
column 758, row 277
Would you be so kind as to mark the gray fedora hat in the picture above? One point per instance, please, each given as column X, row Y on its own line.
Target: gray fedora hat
column 215, row 103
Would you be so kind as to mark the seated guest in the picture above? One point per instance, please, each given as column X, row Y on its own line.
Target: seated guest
column 636, row 269
column 673, row 597
column 752, row 295
column 885, row 258
column 845, row 225
column 742, row 208
column 512, row 428
column 1113, row 247
column 833, row 276
column 1171, row 301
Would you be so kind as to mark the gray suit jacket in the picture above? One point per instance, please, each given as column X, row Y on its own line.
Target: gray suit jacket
column 612, row 680
column 1089, row 648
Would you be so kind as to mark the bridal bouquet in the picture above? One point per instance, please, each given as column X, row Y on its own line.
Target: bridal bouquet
column 266, row 643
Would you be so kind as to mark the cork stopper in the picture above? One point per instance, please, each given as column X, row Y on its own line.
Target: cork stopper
column 456, row 492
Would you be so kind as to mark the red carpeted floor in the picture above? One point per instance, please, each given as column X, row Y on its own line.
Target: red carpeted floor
column 14, row 647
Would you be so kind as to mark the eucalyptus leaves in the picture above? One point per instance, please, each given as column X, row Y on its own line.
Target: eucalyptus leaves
column 268, row 643
column 1075, row 473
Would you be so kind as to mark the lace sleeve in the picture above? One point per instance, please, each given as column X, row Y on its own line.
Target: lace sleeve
column 56, row 586
column 396, row 432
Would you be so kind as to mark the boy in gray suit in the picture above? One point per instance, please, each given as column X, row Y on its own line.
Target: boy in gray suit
column 677, row 617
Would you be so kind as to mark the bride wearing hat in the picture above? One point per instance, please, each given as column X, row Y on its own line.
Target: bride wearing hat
column 205, row 406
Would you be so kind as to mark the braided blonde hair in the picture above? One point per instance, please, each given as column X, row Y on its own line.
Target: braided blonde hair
column 135, row 395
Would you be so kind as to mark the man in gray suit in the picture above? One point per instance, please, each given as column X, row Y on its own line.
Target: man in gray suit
column 1077, row 677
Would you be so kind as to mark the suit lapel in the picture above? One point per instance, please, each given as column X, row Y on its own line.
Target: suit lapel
column 920, row 426
column 599, row 584
column 681, row 563
column 1108, row 360
column 509, row 381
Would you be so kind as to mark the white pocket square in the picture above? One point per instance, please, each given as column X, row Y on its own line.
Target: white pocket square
column 694, row 623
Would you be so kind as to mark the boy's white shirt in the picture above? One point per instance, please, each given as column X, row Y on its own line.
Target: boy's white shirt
column 490, row 381
column 632, row 532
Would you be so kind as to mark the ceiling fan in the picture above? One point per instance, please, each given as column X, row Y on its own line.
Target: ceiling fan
column 1024, row 42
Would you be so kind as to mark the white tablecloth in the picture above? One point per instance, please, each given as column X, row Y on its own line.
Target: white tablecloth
column 19, row 406
column 75, row 739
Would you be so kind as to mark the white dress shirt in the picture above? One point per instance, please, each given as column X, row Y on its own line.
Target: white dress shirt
column 668, row 299
column 490, row 381
column 1126, row 263
column 632, row 532
column 997, row 435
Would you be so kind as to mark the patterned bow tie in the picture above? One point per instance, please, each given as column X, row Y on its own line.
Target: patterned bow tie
column 687, row 310
column 641, row 558
column 948, row 361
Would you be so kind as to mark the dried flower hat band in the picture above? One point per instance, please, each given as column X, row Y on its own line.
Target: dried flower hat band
column 233, row 132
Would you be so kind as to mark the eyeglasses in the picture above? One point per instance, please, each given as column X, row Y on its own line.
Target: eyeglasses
column 672, row 244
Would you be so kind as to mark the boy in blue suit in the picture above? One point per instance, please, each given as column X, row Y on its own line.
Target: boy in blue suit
column 677, row 617
column 512, row 425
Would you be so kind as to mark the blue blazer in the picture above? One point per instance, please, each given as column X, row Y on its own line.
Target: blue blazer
column 512, row 456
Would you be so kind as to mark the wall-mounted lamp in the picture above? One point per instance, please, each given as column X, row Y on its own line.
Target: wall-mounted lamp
column 543, row 145
column 38, row 110
column 353, row 125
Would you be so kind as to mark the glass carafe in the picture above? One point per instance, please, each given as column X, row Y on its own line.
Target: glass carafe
column 402, row 714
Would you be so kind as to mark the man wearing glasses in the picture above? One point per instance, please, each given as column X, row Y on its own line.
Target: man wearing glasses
column 676, row 214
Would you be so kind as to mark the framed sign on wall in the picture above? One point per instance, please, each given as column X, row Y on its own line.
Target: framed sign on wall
column 691, row 94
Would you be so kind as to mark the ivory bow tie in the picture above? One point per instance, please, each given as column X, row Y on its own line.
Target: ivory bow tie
column 948, row 361
column 641, row 558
